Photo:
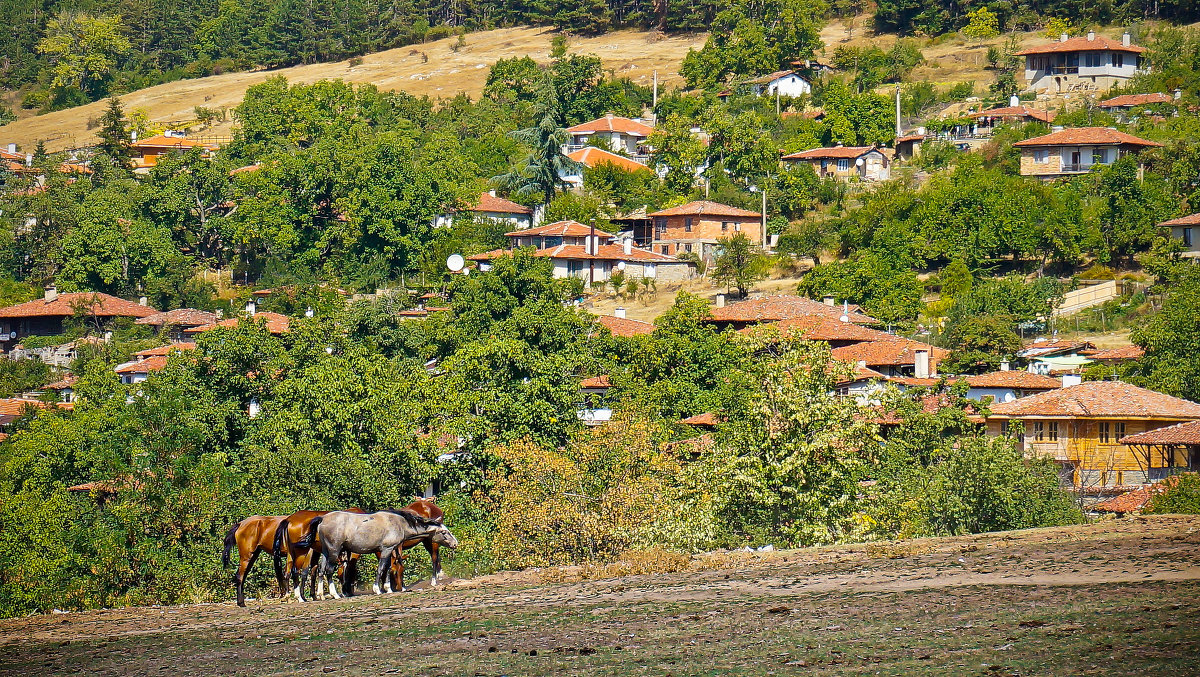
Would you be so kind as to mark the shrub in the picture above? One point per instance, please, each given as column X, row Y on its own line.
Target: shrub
column 1182, row 496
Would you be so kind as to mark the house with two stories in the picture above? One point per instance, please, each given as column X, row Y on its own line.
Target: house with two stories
column 590, row 158
column 146, row 152
column 1079, row 150
column 698, row 226
column 1122, row 107
column 1185, row 229
column 1086, row 430
column 1090, row 63
column 595, row 262
column 781, row 83
column 46, row 316
column 985, row 121
column 612, row 132
column 489, row 207
column 172, row 323
column 1054, row 356
column 864, row 163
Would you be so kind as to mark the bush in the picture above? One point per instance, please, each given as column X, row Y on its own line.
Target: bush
column 1182, row 496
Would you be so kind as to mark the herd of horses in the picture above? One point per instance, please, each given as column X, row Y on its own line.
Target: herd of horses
column 317, row 546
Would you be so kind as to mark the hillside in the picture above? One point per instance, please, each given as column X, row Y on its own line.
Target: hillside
column 632, row 54
column 1114, row 597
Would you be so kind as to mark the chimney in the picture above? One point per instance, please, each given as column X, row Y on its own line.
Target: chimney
column 12, row 148
column 1125, row 39
column 492, row 192
column 619, row 312
column 1004, row 366
column 590, row 247
column 845, row 311
column 251, row 307
column 1178, row 93
column 133, row 136
column 1063, row 38
column 143, row 301
column 1056, row 128
column 608, row 115
column 921, row 364
column 720, row 300
column 1069, row 380
column 1014, row 101
column 828, row 299
column 51, row 292
column 628, row 246
column 29, row 159
column 1091, row 36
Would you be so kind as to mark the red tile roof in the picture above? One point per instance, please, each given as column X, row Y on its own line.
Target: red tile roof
column 1097, row 136
column 1180, row 433
column 1134, row 100
column 708, row 419
column 94, row 303
column 1189, row 220
column 153, row 363
column 613, row 123
column 775, row 308
column 490, row 203
column 770, row 77
column 605, row 252
column 1137, row 499
column 67, row 381
column 275, row 323
column 1015, row 112
column 566, row 228
column 620, row 326
column 1042, row 347
column 822, row 328
column 180, row 317
column 12, row 407
column 245, row 170
column 894, row 351
column 910, row 137
column 166, row 350
column 1022, row 380
column 1099, row 399
column 1081, row 44
column 706, row 208
column 836, row 152
column 1122, row 353
column 596, row 382
column 594, row 157
column 863, row 374
column 161, row 141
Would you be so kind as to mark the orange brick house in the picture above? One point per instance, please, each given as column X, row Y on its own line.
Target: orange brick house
column 698, row 226
column 1085, row 428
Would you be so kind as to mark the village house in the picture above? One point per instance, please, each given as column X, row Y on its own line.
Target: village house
column 146, row 362
column 147, row 151
column 1065, row 152
column 1089, row 63
column 781, row 83
column 894, row 357
column 698, row 226
column 1116, row 355
column 1168, row 450
column 273, row 322
column 1082, row 428
column 12, row 409
column 985, row 122
column 64, row 388
column 908, row 147
column 491, row 208
column 591, row 158
column 768, row 309
column 620, row 325
column 1054, row 356
column 594, row 410
column 46, row 316
column 172, row 323
column 1185, row 229
column 819, row 327
column 865, row 163
column 618, row 134
column 594, row 262
column 553, row 234
column 1121, row 106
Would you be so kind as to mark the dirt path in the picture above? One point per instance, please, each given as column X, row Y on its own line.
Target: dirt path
column 1120, row 596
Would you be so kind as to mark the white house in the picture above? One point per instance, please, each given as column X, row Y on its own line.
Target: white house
column 492, row 208
column 594, row 262
column 1092, row 63
column 618, row 134
column 1185, row 229
column 783, row 83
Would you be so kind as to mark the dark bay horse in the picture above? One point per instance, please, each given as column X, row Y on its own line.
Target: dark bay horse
column 427, row 508
column 252, row 537
column 381, row 532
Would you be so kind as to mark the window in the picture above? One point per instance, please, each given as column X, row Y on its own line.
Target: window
column 1187, row 237
column 724, row 226
column 1118, row 59
column 687, row 224
column 1104, row 432
column 1094, row 60
column 737, row 227
column 687, row 248
column 1099, row 156
column 1039, row 431
column 1118, row 431
column 660, row 225
column 666, row 249
column 843, row 165
column 1041, row 156
column 1052, row 431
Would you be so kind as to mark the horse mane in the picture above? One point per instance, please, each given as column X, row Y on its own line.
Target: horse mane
column 414, row 520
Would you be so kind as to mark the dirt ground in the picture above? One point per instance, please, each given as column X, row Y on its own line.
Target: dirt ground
column 1113, row 597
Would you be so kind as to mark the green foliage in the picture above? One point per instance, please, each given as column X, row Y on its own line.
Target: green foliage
column 1170, row 339
column 751, row 39
column 739, row 263
column 880, row 284
column 84, row 50
column 981, row 24
column 1181, row 497
column 19, row 376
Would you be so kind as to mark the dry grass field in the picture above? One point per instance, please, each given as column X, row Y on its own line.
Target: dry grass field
column 1113, row 597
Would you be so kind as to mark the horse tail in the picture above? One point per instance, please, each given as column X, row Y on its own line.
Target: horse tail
column 230, row 542
column 277, row 549
column 311, row 536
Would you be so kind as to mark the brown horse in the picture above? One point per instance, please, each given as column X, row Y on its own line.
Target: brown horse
column 252, row 536
column 425, row 507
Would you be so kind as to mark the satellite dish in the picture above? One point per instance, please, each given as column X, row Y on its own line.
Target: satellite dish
column 455, row 262
column 620, row 265
column 859, row 162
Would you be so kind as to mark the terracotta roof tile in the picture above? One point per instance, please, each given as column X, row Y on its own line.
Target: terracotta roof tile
column 1041, row 348
column 770, row 77
column 605, row 252
column 706, row 208
column 150, row 364
column 620, row 326
column 822, row 328
column 863, row 374
column 566, row 228
column 67, row 381
column 836, row 152
column 1122, row 353
column 894, row 351
column 275, row 323
column 1189, row 220
column 97, row 304
column 596, row 382
column 910, row 137
column 1134, row 100
column 12, row 407
column 613, row 123
column 161, row 141
column 1180, row 433
column 708, row 420
column 594, row 157
column 1015, row 112
column 246, row 169
column 1136, row 500
column 1082, row 44
column 180, row 317
column 1102, row 136
column 166, row 350
column 1100, row 399
column 490, row 203
column 775, row 308
column 1023, row 380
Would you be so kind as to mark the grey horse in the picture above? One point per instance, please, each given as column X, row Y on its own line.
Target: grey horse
column 381, row 532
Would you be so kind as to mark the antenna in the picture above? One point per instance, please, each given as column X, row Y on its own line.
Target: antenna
column 455, row 262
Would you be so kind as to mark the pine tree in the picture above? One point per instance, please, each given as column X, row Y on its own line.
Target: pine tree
column 114, row 134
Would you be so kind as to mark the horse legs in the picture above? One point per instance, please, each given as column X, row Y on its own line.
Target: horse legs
column 385, row 565
column 329, row 566
column 239, row 579
column 435, row 561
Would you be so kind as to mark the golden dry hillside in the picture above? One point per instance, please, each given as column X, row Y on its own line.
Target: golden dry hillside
column 632, row 54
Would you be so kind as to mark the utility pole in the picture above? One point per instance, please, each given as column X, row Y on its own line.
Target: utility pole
column 654, row 106
column 899, row 132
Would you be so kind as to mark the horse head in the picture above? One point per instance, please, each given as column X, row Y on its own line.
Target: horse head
column 442, row 536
